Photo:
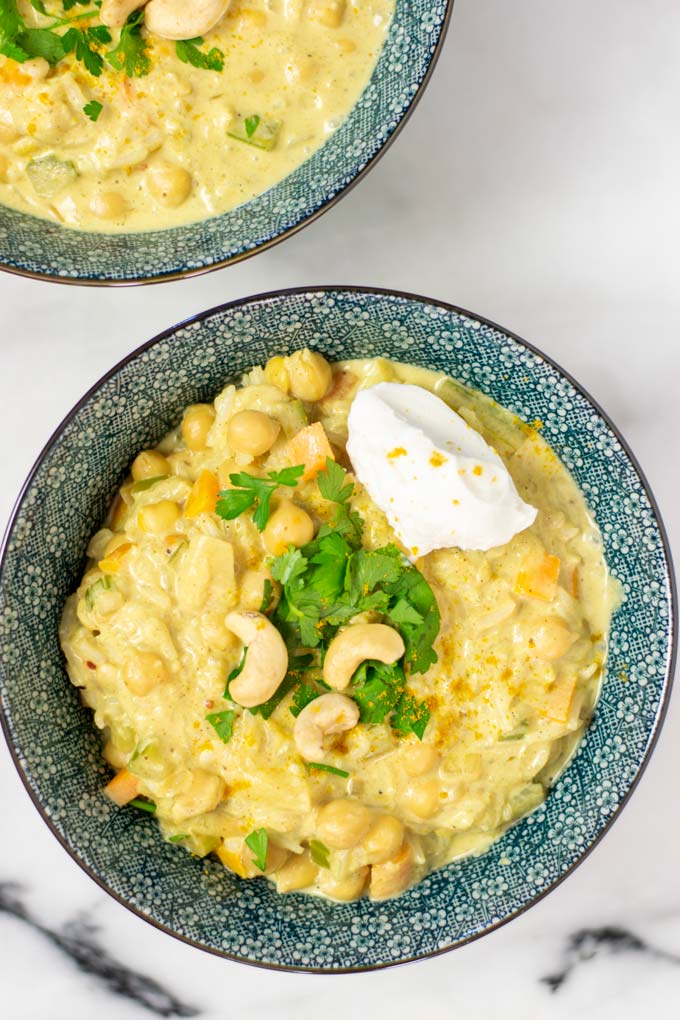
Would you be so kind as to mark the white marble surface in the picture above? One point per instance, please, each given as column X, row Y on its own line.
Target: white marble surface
column 536, row 185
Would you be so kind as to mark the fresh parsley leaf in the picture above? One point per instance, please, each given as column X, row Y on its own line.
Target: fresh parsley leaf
column 250, row 124
column 41, row 42
column 130, row 54
column 258, row 841
column 92, row 110
column 410, row 715
column 188, row 52
column 377, row 690
column 322, row 767
column 403, row 613
column 253, row 491
column 267, row 593
column 331, row 482
column 39, row 6
column 11, row 22
column 235, row 671
column 419, row 637
column 289, row 566
column 302, row 696
column 82, row 42
column 222, row 723
column 320, row 853
column 143, row 805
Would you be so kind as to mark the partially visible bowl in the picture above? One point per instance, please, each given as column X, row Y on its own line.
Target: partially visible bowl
column 42, row 249
column 53, row 739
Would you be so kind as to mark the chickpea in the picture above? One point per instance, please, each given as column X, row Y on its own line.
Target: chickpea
column 37, row 69
column 4, row 167
column 109, row 205
column 170, row 185
column 328, row 12
column 276, row 373
column 196, row 424
column 550, row 640
column 341, row 824
column 251, row 591
column 422, row 799
column 149, row 464
column 298, row 872
column 158, row 518
column 252, row 432
column 345, row 889
column 310, row 375
column 392, row 877
column 144, row 672
column 383, row 840
column 288, row 525
column 202, row 794
column 216, row 633
column 418, row 759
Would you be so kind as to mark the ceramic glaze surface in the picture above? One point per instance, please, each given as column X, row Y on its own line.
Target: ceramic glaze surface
column 36, row 247
column 56, row 745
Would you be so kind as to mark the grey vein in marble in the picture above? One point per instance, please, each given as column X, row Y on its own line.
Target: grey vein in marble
column 590, row 943
column 78, row 940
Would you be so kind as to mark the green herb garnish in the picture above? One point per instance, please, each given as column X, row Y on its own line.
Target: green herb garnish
column 130, row 54
column 178, row 837
column 92, row 110
column 222, row 723
column 145, row 483
column 252, row 491
column 321, row 767
column 267, row 593
column 258, row 841
column 332, row 579
column 103, row 584
column 320, row 853
column 188, row 52
column 143, row 805
column 253, row 130
column 84, row 43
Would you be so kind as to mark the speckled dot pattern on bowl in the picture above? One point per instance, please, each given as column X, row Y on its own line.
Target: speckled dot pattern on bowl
column 37, row 247
column 54, row 740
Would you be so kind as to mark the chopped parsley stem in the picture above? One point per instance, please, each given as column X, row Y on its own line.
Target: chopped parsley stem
column 321, row 767
column 143, row 805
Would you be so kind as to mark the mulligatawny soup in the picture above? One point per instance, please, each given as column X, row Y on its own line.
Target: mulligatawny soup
column 128, row 116
column 289, row 687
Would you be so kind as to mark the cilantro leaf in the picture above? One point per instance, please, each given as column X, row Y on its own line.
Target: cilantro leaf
column 39, row 6
column 130, row 54
column 188, row 52
column 253, row 491
column 289, row 566
column 267, row 595
column 11, row 22
column 258, row 841
column 81, row 42
column 331, row 482
column 223, row 724
column 403, row 613
column 235, row 672
column 41, row 42
column 322, row 767
column 320, row 853
column 377, row 690
column 419, row 637
column 93, row 109
column 304, row 694
column 410, row 715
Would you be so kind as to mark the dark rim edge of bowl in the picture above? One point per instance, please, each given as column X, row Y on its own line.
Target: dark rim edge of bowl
column 271, row 296
column 271, row 242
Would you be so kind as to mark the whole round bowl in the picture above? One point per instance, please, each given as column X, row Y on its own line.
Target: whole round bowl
column 42, row 249
column 53, row 739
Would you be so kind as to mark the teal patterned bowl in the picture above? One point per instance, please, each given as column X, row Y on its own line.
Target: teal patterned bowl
column 40, row 249
column 53, row 739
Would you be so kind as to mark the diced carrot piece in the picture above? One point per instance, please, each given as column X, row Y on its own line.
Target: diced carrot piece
column 310, row 447
column 111, row 563
column 540, row 581
column 122, row 788
column 557, row 703
column 203, row 496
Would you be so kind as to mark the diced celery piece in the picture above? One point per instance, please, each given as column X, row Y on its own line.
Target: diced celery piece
column 103, row 584
column 253, row 130
column 50, row 175
column 293, row 417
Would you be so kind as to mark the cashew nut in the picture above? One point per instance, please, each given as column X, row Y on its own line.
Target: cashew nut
column 176, row 19
column 114, row 13
column 266, row 661
column 331, row 713
column 356, row 643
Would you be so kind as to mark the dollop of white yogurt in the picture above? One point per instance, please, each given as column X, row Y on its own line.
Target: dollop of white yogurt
column 438, row 481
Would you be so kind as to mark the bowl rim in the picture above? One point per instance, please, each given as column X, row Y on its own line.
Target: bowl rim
column 271, row 242
column 320, row 290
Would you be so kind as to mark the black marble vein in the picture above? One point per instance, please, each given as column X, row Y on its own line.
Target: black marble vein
column 77, row 939
column 591, row 943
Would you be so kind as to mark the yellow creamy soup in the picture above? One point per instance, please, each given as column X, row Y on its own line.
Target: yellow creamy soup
column 130, row 134
column 287, row 682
